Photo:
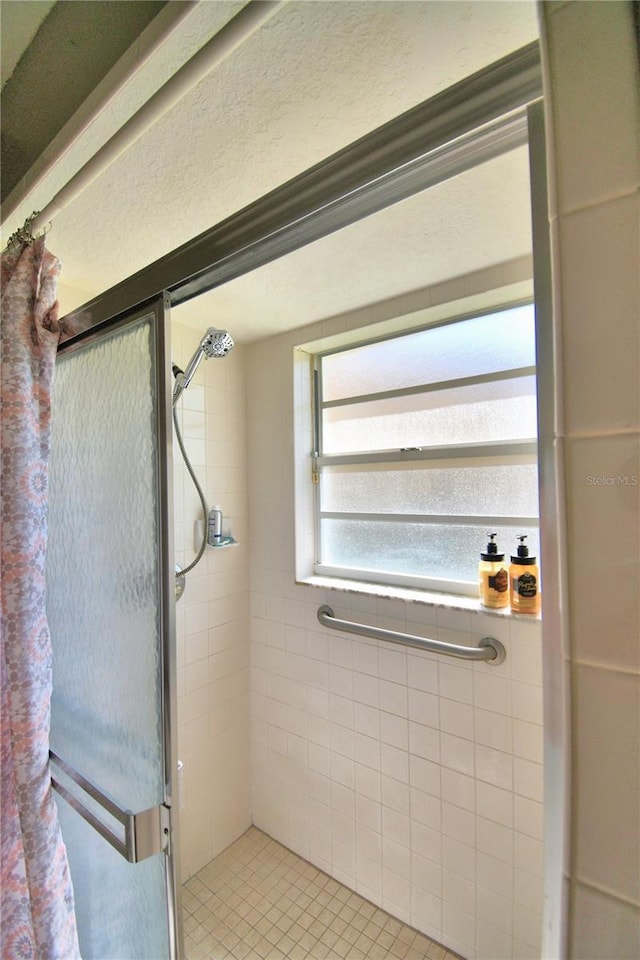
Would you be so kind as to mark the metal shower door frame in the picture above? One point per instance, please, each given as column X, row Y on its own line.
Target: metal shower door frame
column 154, row 830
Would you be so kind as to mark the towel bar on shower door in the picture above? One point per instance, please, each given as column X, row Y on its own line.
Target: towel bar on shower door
column 489, row 649
column 142, row 834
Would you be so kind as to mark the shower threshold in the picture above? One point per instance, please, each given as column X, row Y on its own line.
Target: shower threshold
column 259, row 901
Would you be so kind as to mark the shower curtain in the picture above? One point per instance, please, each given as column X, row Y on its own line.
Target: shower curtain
column 37, row 910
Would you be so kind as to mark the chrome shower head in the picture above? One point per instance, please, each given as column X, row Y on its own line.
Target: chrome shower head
column 215, row 343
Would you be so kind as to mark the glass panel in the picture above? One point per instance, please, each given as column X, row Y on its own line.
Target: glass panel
column 103, row 589
column 503, row 410
column 498, row 341
column 454, row 487
column 118, row 904
column 435, row 550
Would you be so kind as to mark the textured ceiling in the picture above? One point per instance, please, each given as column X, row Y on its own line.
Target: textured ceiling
column 19, row 23
column 464, row 224
column 316, row 77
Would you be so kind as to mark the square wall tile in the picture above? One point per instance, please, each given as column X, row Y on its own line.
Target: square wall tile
column 493, row 944
column 604, row 547
column 528, row 891
column 606, row 779
column 594, row 99
column 426, row 911
column 528, row 779
column 599, row 251
column 423, row 674
column 527, row 740
column 528, row 817
column 395, row 795
column 458, row 926
column 494, row 803
column 528, row 854
column 493, row 730
column 459, row 823
column 603, row 926
column 458, row 788
column 425, row 810
column 494, row 839
column 459, row 858
column 455, row 684
column 527, row 926
column 424, row 742
column 495, row 911
column 426, row 842
column 495, row 875
column 456, row 718
column 458, row 891
column 494, row 766
column 492, row 693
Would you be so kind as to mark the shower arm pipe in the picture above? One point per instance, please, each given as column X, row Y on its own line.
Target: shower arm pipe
column 489, row 649
column 218, row 48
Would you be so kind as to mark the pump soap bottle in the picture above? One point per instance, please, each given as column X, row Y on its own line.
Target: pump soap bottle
column 524, row 581
column 493, row 576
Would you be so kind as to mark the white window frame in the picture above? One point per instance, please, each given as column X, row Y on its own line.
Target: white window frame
column 525, row 450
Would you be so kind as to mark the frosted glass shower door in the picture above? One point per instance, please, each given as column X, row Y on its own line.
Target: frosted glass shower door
column 111, row 616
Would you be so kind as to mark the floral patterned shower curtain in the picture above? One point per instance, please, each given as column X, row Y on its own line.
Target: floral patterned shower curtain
column 38, row 919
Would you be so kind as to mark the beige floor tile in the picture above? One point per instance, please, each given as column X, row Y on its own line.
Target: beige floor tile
column 259, row 901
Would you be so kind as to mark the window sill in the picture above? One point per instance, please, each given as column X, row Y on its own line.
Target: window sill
column 446, row 601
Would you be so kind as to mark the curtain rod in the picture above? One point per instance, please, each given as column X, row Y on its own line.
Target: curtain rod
column 219, row 47
column 141, row 51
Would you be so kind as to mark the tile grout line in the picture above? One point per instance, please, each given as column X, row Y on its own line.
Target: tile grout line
column 297, row 911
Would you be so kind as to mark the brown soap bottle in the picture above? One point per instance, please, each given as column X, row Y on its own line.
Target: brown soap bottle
column 524, row 580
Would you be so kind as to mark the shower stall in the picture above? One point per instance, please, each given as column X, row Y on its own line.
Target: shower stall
column 309, row 755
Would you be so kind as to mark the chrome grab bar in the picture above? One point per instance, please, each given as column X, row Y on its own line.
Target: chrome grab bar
column 144, row 834
column 489, row 648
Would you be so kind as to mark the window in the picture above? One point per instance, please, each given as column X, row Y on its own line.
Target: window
column 424, row 443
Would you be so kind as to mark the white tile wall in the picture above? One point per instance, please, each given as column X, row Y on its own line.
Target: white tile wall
column 212, row 616
column 593, row 109
column 417, row 780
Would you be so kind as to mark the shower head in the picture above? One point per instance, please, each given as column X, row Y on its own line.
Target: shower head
column 215, row 343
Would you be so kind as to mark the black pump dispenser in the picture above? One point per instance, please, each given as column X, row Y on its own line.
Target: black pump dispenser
column 522, row 556
column 492, row 550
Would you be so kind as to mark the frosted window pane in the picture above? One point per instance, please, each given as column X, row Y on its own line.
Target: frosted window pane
column 102, row 568
column 433, row 487
column 435, row 550
column 498, row 341
column 502, row 410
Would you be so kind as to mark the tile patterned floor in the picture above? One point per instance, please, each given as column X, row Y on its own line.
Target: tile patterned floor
column 259, row 901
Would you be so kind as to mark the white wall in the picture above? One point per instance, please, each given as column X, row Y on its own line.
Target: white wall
column 593, row 90
column 414, row 779
column 212, row 616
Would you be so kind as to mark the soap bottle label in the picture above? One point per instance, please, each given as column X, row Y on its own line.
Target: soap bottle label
column 499, row 582
column 526, row 585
